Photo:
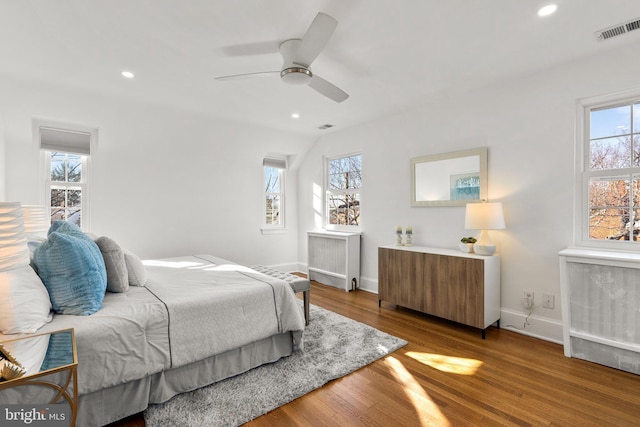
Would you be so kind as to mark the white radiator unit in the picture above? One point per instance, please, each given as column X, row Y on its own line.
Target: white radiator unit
column 601, row 307
column 334, row 258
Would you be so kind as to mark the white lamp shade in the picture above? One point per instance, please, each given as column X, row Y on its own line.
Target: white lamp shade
column 36, row 220
column 484, row 216
column 14, row 252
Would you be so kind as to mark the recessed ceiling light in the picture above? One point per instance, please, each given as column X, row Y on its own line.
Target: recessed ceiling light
column 128, row 74
column 295, row 116
column 547, row 10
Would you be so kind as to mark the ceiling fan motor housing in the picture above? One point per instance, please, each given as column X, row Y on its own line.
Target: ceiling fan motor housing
column 297, row 76
column 293, row 73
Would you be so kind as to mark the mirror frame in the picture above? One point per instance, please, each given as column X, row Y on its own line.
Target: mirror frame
column 482, row 152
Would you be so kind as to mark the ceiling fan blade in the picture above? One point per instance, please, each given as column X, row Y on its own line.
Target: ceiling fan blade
column 315, row 39
column 327, row 89
column 248, row 75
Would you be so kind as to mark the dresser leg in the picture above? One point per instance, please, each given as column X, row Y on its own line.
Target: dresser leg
column 379, row 303
column 484, row 334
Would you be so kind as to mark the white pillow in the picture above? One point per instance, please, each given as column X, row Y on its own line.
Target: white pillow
column 24, row 301
column 135, row 269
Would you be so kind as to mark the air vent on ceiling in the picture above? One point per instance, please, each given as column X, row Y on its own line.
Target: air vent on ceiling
column 618, row 30
column 323, row 127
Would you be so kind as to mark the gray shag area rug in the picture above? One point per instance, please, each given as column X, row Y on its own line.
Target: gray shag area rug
column 334, row 346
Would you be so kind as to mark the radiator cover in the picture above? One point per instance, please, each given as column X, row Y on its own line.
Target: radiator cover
column 334, row 258
column 601, row 307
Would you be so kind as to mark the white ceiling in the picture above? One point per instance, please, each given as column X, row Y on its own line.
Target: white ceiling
column 389, row 55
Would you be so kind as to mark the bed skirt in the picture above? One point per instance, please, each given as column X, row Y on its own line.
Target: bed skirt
column 105, row 406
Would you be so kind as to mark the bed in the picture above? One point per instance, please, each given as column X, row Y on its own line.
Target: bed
column 198, row 319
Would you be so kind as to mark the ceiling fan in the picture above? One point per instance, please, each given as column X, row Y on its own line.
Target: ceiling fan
column 298, row 54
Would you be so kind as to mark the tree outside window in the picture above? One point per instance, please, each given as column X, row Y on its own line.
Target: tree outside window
column 343, row 190
column 613, row 172
column 274, row 189
column 66, row 184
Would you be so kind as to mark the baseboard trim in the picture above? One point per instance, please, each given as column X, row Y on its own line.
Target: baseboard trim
column 368, row 284
column 535, row 326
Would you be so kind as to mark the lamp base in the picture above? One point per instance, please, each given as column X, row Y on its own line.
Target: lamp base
column 486, row 250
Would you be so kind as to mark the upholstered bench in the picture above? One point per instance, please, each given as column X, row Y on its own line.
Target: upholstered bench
column 298, row 284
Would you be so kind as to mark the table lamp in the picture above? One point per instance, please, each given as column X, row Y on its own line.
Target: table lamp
column 36, row 220
column 13, row 241
column 484, row 216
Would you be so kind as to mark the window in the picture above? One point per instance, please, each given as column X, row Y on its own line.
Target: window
column 344, row 184
column 66, row 150
column 611, row 173
column 274, row 171
column 66, row 185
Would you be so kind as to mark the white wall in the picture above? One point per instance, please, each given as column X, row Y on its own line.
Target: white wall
column 527, row 123
column 164, row 182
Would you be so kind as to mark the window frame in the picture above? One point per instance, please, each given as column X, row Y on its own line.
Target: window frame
column 327, row 192
column 81, row 185
column 280, row 164
column 583, row 173
column 45, row 161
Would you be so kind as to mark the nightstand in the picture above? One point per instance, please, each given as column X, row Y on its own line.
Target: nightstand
column 42, row 355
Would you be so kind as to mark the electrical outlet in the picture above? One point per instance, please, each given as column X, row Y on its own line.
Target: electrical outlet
column 528, row 299
column 548, row 301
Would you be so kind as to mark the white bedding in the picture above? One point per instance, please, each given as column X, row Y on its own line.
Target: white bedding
column 215, row 305
column 208, row 306
column 125, row 340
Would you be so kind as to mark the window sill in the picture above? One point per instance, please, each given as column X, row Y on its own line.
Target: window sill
column 344, row 228
column 601, row 254
column 274, row 230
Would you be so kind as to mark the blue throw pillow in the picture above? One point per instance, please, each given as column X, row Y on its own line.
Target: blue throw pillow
column 72, row 269
column 66, row 227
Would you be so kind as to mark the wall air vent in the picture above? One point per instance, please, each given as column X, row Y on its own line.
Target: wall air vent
column 323, row 127
column 618, row 30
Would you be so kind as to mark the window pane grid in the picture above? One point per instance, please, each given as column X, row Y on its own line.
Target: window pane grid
column 273, row 196
column 66, row 204
column 66, row 167
column 66, row 186
column 272, row 210
column 344, row 210
column 613, row 171
column 344, row 182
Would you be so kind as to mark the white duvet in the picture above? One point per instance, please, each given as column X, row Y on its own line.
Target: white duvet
column 215, row 305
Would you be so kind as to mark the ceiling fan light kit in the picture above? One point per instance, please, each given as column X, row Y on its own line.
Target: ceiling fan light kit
column 298, row 54
column 297, row 76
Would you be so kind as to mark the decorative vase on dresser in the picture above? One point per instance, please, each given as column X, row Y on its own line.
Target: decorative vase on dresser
column 453, row 285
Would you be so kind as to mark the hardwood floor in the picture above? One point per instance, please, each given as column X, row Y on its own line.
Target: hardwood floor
column 448, row 376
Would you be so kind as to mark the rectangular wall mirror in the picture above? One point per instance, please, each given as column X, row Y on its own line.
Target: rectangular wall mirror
column 449, row 179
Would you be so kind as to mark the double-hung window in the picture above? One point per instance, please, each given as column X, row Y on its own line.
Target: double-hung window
column 343, row 187
column 610, row 173
column 66, row 150
column 274, row 192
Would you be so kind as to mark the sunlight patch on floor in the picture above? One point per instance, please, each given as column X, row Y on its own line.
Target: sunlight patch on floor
column 450, row 364
column 428, row 412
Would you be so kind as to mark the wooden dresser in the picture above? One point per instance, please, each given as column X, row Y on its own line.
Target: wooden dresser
column 446, row 283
